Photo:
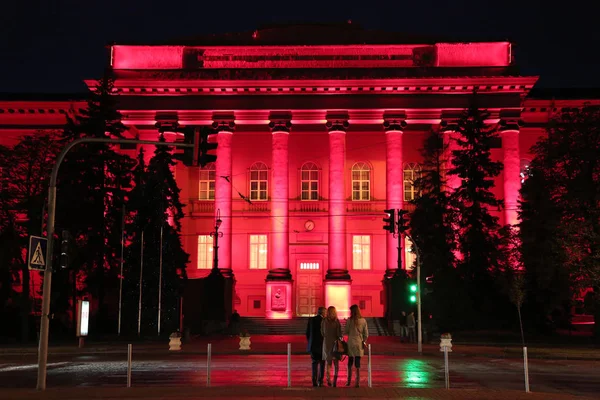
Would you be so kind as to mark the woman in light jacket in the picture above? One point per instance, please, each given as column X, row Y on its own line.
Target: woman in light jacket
column 331, row 329
column 358, row 333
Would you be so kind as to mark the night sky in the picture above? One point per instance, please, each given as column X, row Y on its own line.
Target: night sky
column 51, row 46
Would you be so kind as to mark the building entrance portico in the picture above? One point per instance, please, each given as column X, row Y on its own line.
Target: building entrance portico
column 309, row 287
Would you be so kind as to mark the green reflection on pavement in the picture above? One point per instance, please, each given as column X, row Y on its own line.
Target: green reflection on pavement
column 415, row 374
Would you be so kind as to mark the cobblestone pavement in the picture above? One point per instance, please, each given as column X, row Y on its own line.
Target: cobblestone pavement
column 252, row 373
column 255, row 393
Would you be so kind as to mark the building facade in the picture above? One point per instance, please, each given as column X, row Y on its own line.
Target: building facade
column 314, row 141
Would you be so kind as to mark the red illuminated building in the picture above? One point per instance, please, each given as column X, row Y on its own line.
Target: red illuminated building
column 315, row 141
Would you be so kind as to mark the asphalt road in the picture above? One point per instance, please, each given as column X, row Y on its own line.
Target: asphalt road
column 110, row 370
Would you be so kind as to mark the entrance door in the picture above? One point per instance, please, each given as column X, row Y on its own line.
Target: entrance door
column 309, row 288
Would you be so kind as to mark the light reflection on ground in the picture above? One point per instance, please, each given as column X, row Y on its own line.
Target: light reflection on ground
column 415, row 374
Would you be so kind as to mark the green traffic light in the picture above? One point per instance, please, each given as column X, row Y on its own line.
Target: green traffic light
column 413, row 299
column 413, row 288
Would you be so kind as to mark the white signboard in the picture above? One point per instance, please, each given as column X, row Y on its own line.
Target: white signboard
column 83, row 317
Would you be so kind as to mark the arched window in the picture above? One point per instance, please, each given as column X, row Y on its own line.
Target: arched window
column 259, row 181
column 412, row 172
column 524, row 173
column 309, row 181
column 206, row 182
column 361, row 181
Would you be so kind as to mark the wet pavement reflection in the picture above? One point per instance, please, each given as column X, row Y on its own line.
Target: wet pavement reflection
column 575, row 377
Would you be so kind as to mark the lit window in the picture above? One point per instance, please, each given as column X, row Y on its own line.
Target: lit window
column 206, row 183
column 309, row 178
column 411, row 174
column 205, row 252
column 309, row 265
column 524, row 173
column 361, row 252
column 259, row 180
column 410, row 257
column 361, row 181
column 258, row 251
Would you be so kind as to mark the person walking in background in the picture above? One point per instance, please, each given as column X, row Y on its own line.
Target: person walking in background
column 358, row 333
column 234, row 323
column 403, row 327
column 315, row 346
column 331, row 329
column 410, row 323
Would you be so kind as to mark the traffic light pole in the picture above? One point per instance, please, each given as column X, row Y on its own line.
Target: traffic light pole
column 45, row 319
column 419, row 323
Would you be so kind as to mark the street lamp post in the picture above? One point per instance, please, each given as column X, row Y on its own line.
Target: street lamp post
column 216, row 235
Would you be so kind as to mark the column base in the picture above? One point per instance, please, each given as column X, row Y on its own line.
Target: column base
column 279, row 299
column 337, row 275
column 279, row 274
column 338, row 294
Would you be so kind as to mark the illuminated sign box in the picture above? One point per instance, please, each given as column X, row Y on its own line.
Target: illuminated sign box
column 83, row 317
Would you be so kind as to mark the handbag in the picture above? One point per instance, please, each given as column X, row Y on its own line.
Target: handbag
column 340, row 349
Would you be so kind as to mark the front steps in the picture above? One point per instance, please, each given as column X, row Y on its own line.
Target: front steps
column 297, row 326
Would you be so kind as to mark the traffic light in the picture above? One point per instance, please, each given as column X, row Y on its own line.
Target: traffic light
column 205, row 147
column 390, row 224
column 65, row 245
column 189, row 156
column 412, row 292
column 402, row 221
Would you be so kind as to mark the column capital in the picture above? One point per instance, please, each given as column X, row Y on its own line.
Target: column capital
column 337, row 124
column 509, row 124
column 223, row 123
column 280, row 125
column 394, row 124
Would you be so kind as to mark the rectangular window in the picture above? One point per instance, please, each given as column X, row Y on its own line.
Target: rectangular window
column 310, row 185
column 361, row 252
column 258, row 185
column 206, row 184
column 410, row 258
column 205, row 251
column 410, row 176
column 258, row 251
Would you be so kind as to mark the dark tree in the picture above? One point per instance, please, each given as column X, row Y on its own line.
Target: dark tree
column 569, row 164
column 159, row 206
column 431, row 229
column 478, row 231
column 91, row 192
column 25, row 174
column 547, row 281
column 136, row 220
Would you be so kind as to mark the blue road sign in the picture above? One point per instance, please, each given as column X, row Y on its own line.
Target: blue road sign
column 37, row 253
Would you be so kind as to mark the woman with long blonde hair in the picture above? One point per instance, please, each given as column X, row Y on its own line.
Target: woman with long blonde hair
column 358, row 333
column 331, row 329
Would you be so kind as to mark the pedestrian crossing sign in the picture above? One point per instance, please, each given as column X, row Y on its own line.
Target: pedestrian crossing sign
column 37, row 253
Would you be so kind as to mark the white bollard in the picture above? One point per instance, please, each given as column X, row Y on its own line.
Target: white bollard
column 208, row 361
column 446, row 369
column 289, row 364
column 129, row 351
column 370, row 382
column 526, row 367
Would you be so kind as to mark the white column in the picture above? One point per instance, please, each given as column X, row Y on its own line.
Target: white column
column 337, row 279
column 512, row 168
column 394, row 177
column 279, row 278
column 223, row 191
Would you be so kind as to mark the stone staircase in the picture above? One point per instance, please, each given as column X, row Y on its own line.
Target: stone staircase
column 297, row 326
